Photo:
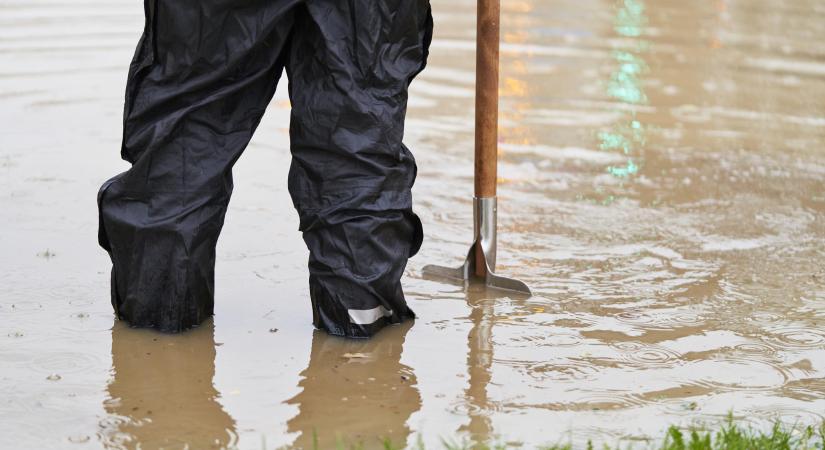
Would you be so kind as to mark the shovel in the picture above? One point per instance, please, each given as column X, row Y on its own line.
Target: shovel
column 480, row 265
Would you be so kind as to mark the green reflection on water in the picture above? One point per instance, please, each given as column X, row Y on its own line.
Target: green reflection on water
column 630, row 18
column 625, row 85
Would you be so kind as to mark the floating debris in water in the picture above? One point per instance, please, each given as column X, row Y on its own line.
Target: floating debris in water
column 47, row 254
column 54, row 377
column 273, row 330
column 79, row 439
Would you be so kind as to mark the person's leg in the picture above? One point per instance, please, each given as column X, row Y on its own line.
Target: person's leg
column 349, row 69
column 200, row 80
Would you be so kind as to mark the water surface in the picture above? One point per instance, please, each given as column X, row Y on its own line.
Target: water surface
column 662, row 190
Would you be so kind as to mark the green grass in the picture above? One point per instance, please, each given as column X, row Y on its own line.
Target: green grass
column 727, row 436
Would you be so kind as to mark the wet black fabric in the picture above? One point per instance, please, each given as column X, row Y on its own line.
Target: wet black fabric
column 198, row 85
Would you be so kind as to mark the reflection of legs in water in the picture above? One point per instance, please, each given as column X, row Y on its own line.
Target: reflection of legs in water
column 162, row 394
column 357, row 391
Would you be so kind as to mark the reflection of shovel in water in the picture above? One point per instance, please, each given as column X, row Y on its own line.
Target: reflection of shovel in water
column 480, row 264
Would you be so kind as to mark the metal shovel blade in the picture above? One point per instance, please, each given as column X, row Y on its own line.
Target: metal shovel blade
column 485, row 217
column 465, row 275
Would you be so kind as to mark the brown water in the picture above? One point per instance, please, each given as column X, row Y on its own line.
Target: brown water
column 662, row 191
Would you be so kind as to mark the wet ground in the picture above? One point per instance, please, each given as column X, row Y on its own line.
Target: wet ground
column 662, row 190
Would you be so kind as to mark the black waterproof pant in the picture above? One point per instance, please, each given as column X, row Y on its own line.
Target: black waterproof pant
column 201, row 78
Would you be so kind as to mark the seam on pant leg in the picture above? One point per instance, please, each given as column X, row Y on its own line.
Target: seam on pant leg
column 427, row 39
column 143, row 60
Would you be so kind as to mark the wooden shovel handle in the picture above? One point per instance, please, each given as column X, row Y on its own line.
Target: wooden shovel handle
column 487, row 45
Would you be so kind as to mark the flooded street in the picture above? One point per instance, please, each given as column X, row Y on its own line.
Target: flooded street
column 662, row 191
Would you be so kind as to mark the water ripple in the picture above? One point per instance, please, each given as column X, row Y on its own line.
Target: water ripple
column 797, row 337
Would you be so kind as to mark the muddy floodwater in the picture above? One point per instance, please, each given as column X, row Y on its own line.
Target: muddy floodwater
column 662, row 190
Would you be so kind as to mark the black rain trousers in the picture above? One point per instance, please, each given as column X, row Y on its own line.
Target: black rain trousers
column 198, row 85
